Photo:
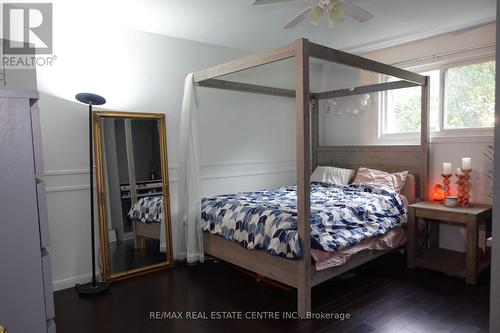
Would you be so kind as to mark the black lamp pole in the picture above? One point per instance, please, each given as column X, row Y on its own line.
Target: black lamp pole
column 94, row 287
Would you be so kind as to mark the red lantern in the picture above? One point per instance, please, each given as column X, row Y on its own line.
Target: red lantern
column 438, row 193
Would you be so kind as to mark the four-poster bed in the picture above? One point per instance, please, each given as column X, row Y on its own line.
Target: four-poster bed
column 414, row 159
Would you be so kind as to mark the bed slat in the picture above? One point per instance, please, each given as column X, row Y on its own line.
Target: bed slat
column 276, row 268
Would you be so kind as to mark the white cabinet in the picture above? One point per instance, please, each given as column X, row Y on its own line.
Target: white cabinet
column 26, row 296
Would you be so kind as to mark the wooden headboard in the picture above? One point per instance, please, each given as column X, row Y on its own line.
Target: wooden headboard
column 410, row 189
column 387, row 158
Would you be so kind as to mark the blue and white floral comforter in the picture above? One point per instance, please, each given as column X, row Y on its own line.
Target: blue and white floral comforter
column 341, row 216
column 147, row 209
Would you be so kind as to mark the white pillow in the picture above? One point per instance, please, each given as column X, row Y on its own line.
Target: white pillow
column 332, row 175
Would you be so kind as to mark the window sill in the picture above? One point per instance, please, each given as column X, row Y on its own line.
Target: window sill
column 442, row 137
column 462, row 139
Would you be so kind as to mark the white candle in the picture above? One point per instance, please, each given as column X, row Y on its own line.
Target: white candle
column 459, row 171
column 466, row 163
column 447, row 169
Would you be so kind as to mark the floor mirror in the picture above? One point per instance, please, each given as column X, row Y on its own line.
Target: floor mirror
column 132, row 193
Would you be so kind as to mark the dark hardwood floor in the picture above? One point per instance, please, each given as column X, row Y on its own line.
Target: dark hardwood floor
column 124, row 256
column 382, row 296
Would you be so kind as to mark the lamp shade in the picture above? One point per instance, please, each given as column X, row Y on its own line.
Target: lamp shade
column 89, row 98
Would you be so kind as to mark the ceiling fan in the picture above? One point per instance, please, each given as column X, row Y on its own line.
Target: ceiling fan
column 335, row 9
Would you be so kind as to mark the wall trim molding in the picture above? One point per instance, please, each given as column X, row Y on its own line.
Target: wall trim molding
column 235, row 163
column 61, row 172
column 85, row 187
column 67, row 188
column 67, row 172
column 71, row 281
column 53, row 189
column 246, row 174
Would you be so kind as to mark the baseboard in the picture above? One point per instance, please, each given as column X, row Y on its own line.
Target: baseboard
column 71, row 281
column 112, row 235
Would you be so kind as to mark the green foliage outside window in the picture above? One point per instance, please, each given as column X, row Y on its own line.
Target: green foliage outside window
column 407, row 115
column 470, row 96
column 405, row 107
column 469, row 100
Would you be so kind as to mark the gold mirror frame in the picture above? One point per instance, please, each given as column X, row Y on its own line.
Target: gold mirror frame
column 98, row 116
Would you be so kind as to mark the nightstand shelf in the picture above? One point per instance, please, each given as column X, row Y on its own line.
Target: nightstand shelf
column 425, row 252
column 447, row 261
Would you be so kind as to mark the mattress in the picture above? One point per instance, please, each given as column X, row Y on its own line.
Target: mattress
column 341, row 216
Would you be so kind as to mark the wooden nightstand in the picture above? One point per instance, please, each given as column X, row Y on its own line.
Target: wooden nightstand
column 425, row 252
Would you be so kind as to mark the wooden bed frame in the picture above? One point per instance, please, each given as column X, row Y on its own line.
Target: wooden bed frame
column 146, row 230
column 415, row 159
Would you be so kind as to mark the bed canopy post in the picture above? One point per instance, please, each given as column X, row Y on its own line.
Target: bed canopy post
column 302, row 97
column 314, row 131
column 424, row 138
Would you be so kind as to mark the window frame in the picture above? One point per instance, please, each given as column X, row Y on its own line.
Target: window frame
column 442, row 134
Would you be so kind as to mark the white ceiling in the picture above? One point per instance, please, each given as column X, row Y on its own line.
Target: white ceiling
column 238, row 24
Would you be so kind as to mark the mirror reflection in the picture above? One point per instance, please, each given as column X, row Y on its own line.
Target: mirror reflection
column 133, row 217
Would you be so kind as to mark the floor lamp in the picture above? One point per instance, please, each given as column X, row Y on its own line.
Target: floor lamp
column 94, row 287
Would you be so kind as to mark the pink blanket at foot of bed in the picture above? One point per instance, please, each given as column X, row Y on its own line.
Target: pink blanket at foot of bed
column 391, row 240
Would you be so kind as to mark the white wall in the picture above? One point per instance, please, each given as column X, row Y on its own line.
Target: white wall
column 363, row 130
column 247, row 141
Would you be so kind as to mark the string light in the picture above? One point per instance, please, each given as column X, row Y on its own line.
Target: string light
column 356, row 111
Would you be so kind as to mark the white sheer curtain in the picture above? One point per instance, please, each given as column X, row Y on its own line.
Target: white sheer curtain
column 189, row 242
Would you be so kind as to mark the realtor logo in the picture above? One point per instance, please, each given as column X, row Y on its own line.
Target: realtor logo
column 27, row 28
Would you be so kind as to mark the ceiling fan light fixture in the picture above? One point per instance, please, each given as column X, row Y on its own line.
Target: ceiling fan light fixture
column 314, row 14
column 331, row 4
column 337, row 11
column 341, row 10
column 332, row 23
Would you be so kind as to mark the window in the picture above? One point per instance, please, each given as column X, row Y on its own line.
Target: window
column 462, row 97
column 470, row 96
column 403, row 107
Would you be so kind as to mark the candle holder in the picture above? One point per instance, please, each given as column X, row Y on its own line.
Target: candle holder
column 463, row 188
column 446, row 184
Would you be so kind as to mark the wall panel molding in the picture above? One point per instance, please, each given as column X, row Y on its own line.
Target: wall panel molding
column 72, row 179
column 246, row 174
column 67, row 188
column 51, row 173
column 236, row 163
